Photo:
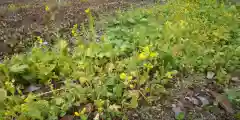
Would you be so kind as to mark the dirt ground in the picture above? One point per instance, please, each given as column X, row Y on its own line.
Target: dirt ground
column 183, row 92
column 22, row 20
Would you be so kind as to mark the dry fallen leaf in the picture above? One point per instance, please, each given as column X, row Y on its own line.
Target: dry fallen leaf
column 223, row 101
column 89, row 107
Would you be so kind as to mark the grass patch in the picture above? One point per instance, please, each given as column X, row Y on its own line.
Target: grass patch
column 139, row 54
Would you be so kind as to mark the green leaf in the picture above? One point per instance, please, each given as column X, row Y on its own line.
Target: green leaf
column 3, row 95
column 118, row 90
column 59, row 101
column 83, row 117
column 131, row 20
column 180, row 116
column 18, row 68
column 134, row 99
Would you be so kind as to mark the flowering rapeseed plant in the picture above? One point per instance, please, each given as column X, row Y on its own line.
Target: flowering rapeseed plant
column 87, row 10
column 47, row 8
column 40, row 40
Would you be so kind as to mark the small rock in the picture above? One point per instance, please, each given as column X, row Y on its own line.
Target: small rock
column 210, row 75
column 32, row 88
column 193, row 100
column 135, row 115
column 203, row 100
column 235, row 79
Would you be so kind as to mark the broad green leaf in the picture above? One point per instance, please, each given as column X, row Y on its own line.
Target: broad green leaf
column 118, row 90
column 134, row 95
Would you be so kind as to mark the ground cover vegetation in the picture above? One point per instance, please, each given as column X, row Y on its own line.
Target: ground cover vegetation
column 140, row 54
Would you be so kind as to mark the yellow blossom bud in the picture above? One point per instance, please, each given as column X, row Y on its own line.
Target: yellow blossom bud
column 153, row 54
column 123, row 76
column 83, row 111
column 47, row 8
column 169, row 75
column 142, row 56
column 87, row 10
column 76, row 114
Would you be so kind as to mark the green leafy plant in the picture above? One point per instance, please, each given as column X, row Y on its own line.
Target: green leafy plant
column 140, row 53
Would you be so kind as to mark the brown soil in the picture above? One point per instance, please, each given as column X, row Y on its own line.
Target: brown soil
column 183, row 87
column 22, row 20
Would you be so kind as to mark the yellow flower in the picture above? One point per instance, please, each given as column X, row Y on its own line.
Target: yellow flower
column 123, row 76
column 169, row 75
column 47, row 8
column 147, row 89
column 75, row 26
column 146, row 49
column 40, row 40
column 142, row 56
column 7, row 113
column 87, row 10
column 76, row 114
column 83, row 111
column 130, row 77
column 26, row 100
column 131, row 86
column 149, row 65
column 153, row 54
column 74, row 30
column 74, row 34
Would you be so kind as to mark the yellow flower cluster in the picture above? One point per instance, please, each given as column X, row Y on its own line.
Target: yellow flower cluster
column 171, row 74
column 47, row 8
column 123, row 76
column 74, row 30
column 80, row 113
column 127, row 79
column 147, row 53
column 87, row 10
column 148, row 65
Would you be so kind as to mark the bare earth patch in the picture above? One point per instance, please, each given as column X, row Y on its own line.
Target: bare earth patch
column 21, row 20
